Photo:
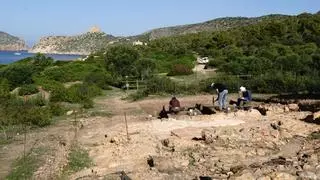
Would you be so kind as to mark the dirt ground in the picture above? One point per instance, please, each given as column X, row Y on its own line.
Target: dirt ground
column 234, row 145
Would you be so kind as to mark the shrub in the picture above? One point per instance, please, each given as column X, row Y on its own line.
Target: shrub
column 28, row 89
column 180, row 69
column 78, row 159
column 216, row 63
column 17, row 74
column 138, row 95
column 100, row 78
column 4, row 90
column 158, row 85
column 39, row 116
column 87, row 104
column 82, row 92
column 15, row 111
column 57, row 109
column 74, row 71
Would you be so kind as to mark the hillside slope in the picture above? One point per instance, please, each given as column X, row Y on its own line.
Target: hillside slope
column 212, row 25
column 11, row 43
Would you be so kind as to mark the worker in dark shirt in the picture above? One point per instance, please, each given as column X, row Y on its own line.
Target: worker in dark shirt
column 245, row 96
column 222, row 94
column 174, row 105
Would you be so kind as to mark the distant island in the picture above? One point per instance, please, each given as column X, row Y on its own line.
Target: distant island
column 11, row 43
column 82, row 44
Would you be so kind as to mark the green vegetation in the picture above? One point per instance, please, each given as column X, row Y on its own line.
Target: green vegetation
column 28, row 89
column 24, row 167
column 276, row 55
column 78, row 159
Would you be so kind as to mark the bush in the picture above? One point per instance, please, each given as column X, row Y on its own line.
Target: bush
column 15, row 111
column 87, row 104
column 158, row 85
column 57, row 109
column 79, row 93
column 100, row 78
column 75, row 71
column 216, row 63
column 39, row 116
column 17, row 74
column 138, row 95
column 180, row 69
column 28, row 89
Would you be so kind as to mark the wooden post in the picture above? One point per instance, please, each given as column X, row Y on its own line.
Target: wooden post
column 25, row 133
column 137, row 84
column 127, row 83
column 125, row 119
column 75, row 125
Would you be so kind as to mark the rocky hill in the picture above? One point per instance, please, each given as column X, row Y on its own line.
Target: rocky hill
column 212, row 25
column 11, row 43
column 80, row 44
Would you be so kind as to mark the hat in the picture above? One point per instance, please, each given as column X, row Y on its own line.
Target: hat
column 242, row 89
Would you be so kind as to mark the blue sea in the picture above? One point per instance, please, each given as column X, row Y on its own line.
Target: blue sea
column 7, row 57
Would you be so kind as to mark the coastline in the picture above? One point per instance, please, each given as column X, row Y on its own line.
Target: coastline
column 60, row 53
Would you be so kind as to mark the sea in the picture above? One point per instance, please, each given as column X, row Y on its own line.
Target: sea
column 7, row 57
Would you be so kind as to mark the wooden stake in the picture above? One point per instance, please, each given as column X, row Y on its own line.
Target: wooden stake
column 125, row 119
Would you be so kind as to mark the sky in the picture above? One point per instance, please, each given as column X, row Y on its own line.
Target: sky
column 32, row 19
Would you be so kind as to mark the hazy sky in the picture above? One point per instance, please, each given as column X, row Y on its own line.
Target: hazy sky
column 31, row 19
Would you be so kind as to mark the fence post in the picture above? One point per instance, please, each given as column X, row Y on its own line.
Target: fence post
column 127, row 83
column 137, row 84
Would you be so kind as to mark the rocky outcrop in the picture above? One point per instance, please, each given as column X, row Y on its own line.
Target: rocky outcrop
column 11, row 43
column 83, row 44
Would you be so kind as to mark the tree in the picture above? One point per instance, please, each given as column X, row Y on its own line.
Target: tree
column 18, row 74
column 145, row 67
column 120, row 60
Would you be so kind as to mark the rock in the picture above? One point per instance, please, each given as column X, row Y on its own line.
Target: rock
column 114, row 140
column 282, row 176
column 260, row 152
column 165, row 142
column 293, row 107
column 264, row 178
column 69, row 113
column 168, row 165
column 205, row 178
column 308, row 175
column 237, row 169
column 316, row 115
column 150, row 161
column 207, row 137
column 245, row 176
column 286, row 109
column 255, row 113
column 318, row 170
column 280, row 168
column 306, row 167
column 258, row 172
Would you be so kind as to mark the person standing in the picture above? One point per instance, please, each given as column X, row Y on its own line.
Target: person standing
column 222, row 94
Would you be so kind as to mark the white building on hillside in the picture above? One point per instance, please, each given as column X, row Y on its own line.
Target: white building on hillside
column 139, row 43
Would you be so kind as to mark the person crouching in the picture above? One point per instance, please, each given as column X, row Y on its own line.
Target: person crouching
column 174, row 105
column 245, row 96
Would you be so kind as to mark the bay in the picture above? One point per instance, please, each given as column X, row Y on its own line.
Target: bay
column 7, row 57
